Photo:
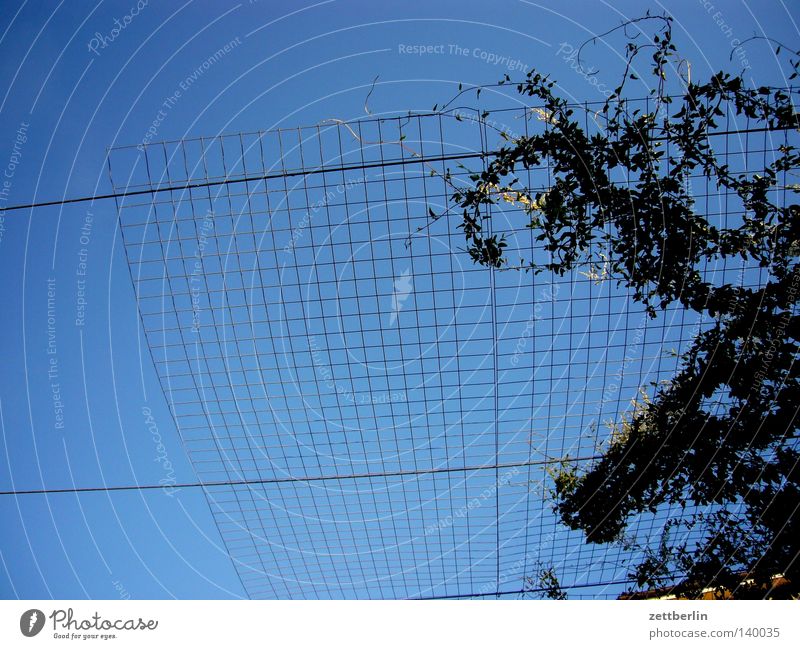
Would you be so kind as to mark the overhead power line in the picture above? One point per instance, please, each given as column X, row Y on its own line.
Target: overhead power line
column 522, row 591
column 266, row 481
column 290, row 174
column 234, row 181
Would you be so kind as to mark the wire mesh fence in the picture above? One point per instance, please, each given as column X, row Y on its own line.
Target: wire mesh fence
column 392, row 407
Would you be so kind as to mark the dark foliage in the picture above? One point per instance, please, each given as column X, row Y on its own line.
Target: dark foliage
column 651, row 237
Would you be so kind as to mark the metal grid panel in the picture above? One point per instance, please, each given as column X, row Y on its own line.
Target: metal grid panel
column 398, row 405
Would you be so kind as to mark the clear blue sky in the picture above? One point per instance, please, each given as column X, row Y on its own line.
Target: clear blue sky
column 71, row 86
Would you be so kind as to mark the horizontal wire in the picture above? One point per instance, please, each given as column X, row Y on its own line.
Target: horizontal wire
column 233, row 181
column 238, row 483
column 302, row 172
column 521, row 591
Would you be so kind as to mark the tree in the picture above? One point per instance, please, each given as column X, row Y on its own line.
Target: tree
column 739, row 461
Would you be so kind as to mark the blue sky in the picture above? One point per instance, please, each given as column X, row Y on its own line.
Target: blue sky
column 74, row 85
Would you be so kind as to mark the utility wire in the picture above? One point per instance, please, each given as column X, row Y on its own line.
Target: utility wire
column 290, row 174
column 521, row 591
column 541, row 589
column 265, row 481
column 233, row 181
